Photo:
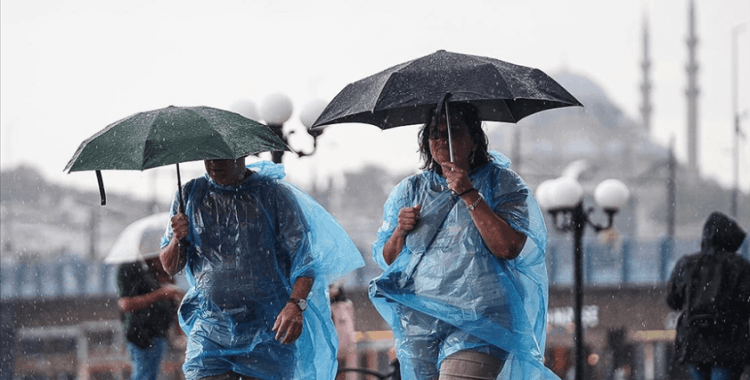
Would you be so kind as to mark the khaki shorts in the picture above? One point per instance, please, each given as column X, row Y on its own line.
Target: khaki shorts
column 424, row 341
column 470, row 365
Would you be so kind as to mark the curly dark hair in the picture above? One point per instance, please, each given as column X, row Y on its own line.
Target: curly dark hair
column 473, row 120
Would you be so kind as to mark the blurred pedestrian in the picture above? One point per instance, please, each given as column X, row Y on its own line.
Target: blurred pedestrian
column 462, row 247
column 148, row 305
column 259, row 257
column 712, row 288
column 342, row 313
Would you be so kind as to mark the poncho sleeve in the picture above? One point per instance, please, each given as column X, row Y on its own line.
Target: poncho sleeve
column 401, row 196
column 327, row 255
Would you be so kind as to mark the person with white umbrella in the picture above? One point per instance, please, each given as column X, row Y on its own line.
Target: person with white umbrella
column 148, row 299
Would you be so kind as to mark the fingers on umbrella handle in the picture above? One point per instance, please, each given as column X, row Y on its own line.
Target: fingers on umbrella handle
column 182, row 245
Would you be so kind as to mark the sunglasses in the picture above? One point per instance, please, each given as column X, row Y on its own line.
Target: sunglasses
column 436, row 133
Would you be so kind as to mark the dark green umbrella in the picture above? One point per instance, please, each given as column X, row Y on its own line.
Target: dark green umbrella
column 172, row 135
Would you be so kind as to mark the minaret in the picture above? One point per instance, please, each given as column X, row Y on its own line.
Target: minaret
column 692, row 91
column 646, row 86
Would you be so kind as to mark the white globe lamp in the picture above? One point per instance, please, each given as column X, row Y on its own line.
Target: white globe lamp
column 311, row 111
column 565, row 192
column 611, row 194
column 543, row 193
column 246, row 108
column 276, row 109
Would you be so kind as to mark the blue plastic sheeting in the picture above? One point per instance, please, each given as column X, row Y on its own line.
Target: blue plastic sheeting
column 248, row 245
column 446, row 292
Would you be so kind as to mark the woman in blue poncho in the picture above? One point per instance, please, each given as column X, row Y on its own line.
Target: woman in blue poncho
column 259, row 258
column 462, row 247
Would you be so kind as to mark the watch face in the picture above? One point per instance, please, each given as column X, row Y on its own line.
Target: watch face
column 302, row 305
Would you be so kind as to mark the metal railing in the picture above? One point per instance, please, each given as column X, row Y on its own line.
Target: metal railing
column 88, row 350
column 367, row 373
column 623, row 261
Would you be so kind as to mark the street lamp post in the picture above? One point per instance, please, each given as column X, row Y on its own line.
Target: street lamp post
column 563, row 199
column 276, row 109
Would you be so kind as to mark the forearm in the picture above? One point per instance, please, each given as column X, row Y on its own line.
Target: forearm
column 289, row 322
column 172, row 257
column 674, row 301
column 394, row 246
column 135, row 303
column 302, row 286
column 674, row 296
column 500, row 238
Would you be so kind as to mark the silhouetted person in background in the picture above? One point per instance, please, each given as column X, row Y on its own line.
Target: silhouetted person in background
column 342, row 313
column 712, row 287
column 148, row 303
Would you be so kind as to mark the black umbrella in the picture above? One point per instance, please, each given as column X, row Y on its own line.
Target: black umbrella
column 172, row 135
column 405, row 93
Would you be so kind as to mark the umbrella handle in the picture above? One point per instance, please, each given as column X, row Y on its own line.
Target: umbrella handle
column 101, row 187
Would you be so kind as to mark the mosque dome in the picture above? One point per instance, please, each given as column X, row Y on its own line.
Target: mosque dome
column 595, row 101
column 598, row 129
column 584, row 89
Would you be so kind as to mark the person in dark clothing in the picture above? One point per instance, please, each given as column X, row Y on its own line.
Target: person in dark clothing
column 342, row 313
column 712, row 287
column 148, row 305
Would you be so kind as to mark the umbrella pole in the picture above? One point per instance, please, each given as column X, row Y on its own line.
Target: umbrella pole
column 179, row 190
column 450, row 138
column 183, row 243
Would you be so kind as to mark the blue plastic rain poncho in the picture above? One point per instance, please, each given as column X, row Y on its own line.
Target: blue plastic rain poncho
column 446, row 292
column 248, row 245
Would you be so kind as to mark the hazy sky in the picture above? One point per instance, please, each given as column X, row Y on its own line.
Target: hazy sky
column 69, row 68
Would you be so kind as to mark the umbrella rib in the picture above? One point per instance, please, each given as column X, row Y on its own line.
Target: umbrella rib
column 178, row 139
column 235, row 145
column 74, row 161
column 395, row 72
column 155, row 117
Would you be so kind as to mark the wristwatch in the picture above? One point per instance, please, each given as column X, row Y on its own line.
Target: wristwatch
column 302, row 303
column 472, row 206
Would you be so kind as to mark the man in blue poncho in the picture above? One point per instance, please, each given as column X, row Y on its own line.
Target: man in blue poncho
column 462, row 247
column 258, row 254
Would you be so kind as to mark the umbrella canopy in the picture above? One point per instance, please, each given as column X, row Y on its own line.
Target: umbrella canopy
column 140, row 240
column 405, row 93
column 172, row 135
